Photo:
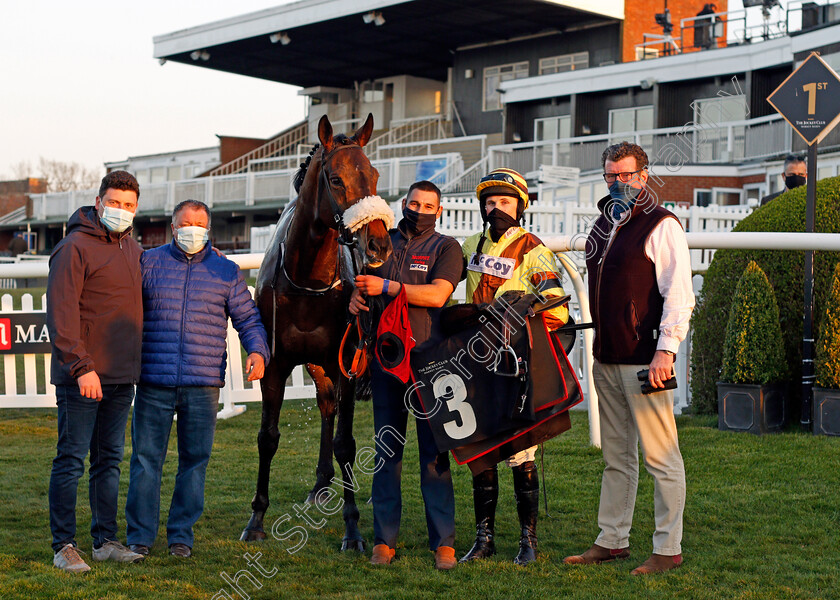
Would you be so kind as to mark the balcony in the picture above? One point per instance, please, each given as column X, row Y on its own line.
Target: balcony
column 730, row 142
column 268, row 182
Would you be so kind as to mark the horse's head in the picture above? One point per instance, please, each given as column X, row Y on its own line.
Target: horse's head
column 348, row 190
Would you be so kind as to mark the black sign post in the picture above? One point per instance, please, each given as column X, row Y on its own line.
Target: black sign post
column 809, row 99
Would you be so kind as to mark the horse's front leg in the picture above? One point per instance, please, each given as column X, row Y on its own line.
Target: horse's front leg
column 325, row 471
column 272, row 386
column 345, row 454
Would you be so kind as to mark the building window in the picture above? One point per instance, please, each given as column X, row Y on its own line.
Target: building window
column 173, row 173
column 627, row 120
column 493, row 78
column 553, row 128
column 639, row 118
column 702, row 197
column 728, row 196
column 158, row 175
column 723, row 109
column 373, row 91
column 564, row 62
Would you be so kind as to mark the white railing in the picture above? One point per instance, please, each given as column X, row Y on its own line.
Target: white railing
column 252, row 188
column 691, row 143
column 468, row 180
column 415, row 129
column 37, row 391
column 461, row 218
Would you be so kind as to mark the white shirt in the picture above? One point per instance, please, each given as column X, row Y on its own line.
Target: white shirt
column 667, row 248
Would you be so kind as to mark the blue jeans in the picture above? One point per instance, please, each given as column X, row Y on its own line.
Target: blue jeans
column 85, row 424
column 153, row 411
column 435, row 476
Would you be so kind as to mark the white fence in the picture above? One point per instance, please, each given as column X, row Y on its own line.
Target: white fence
column 461, row 218
column 35, row 390
column 255, row 187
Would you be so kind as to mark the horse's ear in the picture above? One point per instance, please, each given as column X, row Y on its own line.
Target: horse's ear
column 362, row 136
column 325, row 133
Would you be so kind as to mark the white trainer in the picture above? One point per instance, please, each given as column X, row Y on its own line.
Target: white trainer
column 68, row 559
column 112, row 550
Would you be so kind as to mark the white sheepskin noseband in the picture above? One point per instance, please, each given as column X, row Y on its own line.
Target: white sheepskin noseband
column 366, row 210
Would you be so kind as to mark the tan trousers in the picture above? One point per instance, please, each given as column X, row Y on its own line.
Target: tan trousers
column 628, row 417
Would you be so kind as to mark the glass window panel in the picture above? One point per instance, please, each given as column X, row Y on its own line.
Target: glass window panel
column 622, row 120
column 173, row 173
column 494, row 76
column 158, row 174
column 644, row 118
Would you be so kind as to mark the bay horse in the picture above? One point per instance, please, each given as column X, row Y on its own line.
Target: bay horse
column 303, row 290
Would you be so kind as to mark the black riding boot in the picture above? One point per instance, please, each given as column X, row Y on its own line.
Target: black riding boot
column 526, row 486
column 485, row 497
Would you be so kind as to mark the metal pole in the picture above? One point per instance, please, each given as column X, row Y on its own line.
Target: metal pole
column 807, row 330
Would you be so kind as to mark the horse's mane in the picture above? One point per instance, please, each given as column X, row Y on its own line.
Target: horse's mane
column 300, row 174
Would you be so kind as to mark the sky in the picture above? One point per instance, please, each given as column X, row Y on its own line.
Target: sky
column 78, row 83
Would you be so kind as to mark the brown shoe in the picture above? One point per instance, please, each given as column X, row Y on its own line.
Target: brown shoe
column 658, row 563
column 180, row 550
column 597, row 555
column 445, row 558
column 382, row 555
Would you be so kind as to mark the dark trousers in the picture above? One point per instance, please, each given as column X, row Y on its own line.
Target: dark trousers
column 154, row 409
column 390, row 417
column 85, row 424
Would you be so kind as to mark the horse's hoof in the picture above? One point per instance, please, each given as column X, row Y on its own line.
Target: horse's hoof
column 348, row 545
column 252, row 535
column 312, row 498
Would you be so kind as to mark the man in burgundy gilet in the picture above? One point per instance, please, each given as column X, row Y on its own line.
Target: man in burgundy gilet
column 639, row 272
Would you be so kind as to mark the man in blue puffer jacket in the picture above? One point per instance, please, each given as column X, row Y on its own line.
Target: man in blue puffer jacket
column 188, row 293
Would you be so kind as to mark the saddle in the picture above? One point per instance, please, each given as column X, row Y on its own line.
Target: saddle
column 499, row 382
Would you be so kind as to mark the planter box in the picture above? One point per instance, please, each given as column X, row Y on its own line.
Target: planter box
column 753, row 408
column 826, row 411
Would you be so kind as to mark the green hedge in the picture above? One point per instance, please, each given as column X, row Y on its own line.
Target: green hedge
column 828, row 345
column 752, row 349
column 784, row 271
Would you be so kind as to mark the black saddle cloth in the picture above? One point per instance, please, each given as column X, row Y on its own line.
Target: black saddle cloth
column 499, row 383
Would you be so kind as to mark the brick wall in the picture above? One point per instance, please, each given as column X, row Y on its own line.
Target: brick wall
column 14, row 194
column 231, row 148
column 639, row 19
column 681, row 189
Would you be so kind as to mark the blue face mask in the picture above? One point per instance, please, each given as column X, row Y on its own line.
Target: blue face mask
column 191, row 239
column 116, row 219
column 623, row 198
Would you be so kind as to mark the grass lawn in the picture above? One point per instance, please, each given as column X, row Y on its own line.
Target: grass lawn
column 761, row 522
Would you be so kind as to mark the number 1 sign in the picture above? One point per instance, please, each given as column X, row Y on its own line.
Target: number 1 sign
column 809, row 99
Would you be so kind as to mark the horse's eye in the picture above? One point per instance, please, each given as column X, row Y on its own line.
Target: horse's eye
column 336, row 181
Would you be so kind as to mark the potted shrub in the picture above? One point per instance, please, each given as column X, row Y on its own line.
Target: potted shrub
column 826, row 404
column 751, row 395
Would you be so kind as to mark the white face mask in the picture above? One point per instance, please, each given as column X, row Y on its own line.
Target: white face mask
column 116, row 219
column 191, row 239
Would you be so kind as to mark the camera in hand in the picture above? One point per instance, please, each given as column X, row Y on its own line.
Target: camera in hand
column 647, row 388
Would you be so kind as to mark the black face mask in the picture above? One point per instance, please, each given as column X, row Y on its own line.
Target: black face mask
column 417, row 223
column 499, row 223
column 794, row 181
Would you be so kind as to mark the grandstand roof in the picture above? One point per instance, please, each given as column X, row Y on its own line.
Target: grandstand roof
column 330, row 44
